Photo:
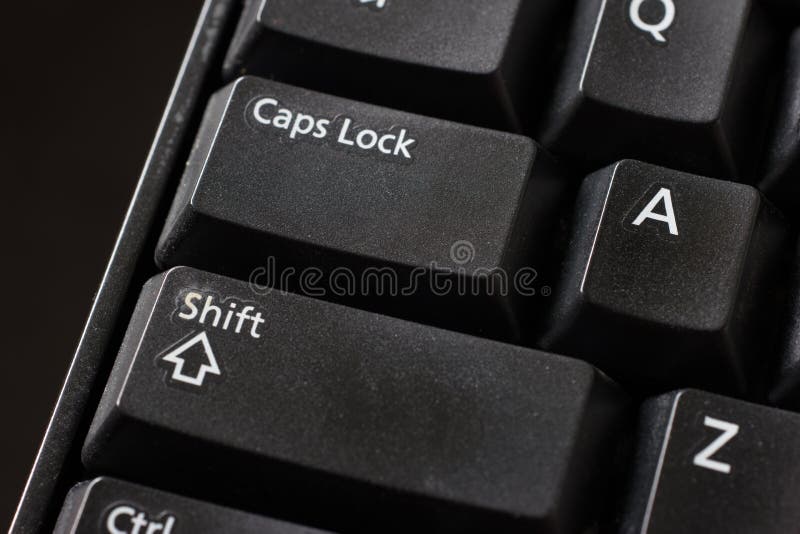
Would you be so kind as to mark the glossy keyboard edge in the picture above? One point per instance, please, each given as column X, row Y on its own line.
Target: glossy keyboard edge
column 58, row 455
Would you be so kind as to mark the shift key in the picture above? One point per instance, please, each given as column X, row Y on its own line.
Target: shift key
column 347, row 420
column 410, row 216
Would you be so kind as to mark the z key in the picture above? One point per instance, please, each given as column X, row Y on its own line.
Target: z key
column 712, row 465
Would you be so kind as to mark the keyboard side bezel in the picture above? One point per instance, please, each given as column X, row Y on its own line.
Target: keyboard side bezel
column 57, row 466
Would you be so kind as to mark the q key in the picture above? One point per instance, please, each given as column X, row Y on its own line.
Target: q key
column 682, row 84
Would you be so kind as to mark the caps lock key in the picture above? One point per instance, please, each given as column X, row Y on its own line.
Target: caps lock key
column 411, row 216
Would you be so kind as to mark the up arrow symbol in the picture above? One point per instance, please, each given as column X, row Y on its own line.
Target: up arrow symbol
column 378, row 4
column 176, row 358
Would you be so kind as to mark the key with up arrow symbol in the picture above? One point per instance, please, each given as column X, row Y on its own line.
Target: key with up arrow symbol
column 312, row 409
column 191, row 361
column 374, row 4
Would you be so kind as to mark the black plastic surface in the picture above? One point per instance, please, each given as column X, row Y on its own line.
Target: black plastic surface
column 658, row 293
column 107, row 504
column 716, row 465
column 465, row 60
column 278, row 186
column 355, row 421
column 690, row 96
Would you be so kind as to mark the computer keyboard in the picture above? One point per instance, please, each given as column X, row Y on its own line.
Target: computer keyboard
column 451, row 266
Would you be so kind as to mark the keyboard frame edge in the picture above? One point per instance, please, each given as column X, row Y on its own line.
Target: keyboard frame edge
column 57, row 462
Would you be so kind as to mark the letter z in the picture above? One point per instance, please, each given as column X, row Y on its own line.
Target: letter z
column 703, row 458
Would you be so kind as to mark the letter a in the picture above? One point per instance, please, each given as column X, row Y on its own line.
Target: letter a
column 664, row 195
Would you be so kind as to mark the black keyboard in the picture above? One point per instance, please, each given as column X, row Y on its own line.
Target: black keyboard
column 451, row 266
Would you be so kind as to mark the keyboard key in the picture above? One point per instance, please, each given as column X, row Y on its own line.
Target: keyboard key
column 680, row 84
column 362, row 421
column 415, row 217
column 712, row 465
column 115, row 507
column 780, row 182
column 456, row 59
column 671, row 278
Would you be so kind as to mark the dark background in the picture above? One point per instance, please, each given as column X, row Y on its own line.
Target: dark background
column 82, row 87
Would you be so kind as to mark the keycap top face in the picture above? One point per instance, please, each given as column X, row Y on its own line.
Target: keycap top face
column 728, row 467
column 370, row 401
column 684, row 272
column 670, row 280
column 682, row 77
column 463, row 60
column 459, row 35
column 678, row 84
column 459, row 183
column 105, row 504
column 310, row 183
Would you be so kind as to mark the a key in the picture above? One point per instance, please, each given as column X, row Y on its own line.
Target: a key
column 671, row 278
column 112, row 506
column 782, row 162
column 364, row 421
column 673, row 83
column 712, row 465
column 416, row 217
column 458, row 59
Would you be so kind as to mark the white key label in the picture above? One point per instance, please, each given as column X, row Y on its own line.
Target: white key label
column 664, row 196
column 392, row 143
column 703, row 458
column 654, row 29
column 231, row 315
column 177, row 357
column 124, row 519
column 374, row 4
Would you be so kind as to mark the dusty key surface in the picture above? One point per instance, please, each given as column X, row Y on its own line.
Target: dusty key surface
column 676, row 83
column 364, row 421
column 465, row 60
column 671, row 279
column 390, row 209
column 714, row 465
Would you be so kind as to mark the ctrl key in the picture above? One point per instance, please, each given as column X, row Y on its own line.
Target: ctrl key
column 112, row 506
